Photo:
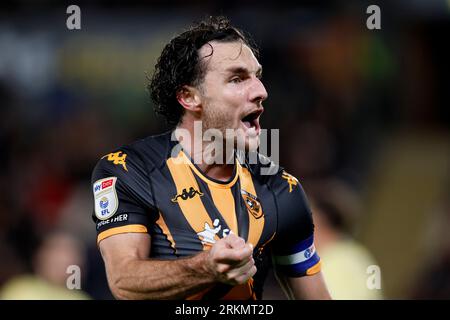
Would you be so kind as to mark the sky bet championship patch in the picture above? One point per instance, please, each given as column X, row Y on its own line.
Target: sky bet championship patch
column 105, row 197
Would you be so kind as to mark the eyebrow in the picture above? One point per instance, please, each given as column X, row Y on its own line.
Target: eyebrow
column 243, row 70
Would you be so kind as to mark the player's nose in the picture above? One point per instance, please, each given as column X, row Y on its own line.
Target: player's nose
column 258, row 92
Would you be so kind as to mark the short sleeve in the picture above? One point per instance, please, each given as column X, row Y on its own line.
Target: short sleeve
column 122, row 195
column 294, row 254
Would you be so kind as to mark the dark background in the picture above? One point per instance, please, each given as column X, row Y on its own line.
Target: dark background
column 367, row 107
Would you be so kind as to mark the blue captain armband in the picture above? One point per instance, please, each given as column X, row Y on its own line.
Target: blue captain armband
column 298, row 261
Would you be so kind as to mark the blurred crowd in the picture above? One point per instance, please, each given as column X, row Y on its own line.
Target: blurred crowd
column 363, row 117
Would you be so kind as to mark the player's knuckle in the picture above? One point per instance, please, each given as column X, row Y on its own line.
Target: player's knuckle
column 243, row 255
column 230, row 238
column 241, row 279
column 229, row 279
column 223, row 268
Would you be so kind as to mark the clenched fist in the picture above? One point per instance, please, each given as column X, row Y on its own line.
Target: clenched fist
column 230, row 260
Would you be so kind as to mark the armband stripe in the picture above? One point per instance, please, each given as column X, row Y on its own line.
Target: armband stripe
column 302, row 245
column 308, row 267
column 296, row 258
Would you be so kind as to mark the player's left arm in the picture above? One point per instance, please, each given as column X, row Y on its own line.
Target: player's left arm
column 305, row 288
column 297, row 264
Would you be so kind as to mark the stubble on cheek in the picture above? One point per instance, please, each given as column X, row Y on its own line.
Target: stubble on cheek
column 216, row 118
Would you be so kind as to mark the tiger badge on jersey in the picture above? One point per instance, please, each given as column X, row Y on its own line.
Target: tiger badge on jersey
column 252, row 204
column 105, row 198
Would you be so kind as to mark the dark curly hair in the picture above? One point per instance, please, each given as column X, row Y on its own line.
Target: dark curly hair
column 179, row 63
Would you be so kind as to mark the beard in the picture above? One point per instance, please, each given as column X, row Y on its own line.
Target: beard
column 215, row 118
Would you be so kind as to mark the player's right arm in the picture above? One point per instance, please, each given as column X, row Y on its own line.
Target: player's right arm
column 124, row 212
column 131, row 275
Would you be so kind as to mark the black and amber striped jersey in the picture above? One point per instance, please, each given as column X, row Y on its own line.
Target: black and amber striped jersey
column 150, row 187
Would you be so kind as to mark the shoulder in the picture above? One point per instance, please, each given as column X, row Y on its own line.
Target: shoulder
column 121, row 179
column 260, row 166
column 269, row 172
column 154, row 150
column 137, row 158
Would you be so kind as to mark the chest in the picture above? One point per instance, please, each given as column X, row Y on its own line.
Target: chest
column 194, row 214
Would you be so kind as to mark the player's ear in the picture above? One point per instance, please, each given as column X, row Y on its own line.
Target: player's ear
column 189, row 98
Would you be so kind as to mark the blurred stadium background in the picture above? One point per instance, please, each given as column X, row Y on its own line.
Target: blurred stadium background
column 363, row 116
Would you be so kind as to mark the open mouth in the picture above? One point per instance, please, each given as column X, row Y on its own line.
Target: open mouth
column 251, row 120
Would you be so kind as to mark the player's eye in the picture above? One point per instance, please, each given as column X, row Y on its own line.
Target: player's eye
column 235, row 79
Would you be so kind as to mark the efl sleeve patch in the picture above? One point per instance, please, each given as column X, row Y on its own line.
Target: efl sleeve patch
column 105, row 198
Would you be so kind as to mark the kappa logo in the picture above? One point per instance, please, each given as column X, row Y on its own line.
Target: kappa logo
column 291, row 180
column 252, row 204
column 187, row 194
column 118, row 159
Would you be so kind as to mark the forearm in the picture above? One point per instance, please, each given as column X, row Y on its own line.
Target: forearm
column 282, row 281
column 309, row 287
column 161, row 279
column 304, row 288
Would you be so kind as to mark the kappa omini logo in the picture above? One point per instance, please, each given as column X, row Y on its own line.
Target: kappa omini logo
column 293, row 181
column 105, row 198
column 118, row 158
column 184, row 195
column 252, row 204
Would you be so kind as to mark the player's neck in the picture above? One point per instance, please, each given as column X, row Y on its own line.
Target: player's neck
column 219, row 172
column 202, row 153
